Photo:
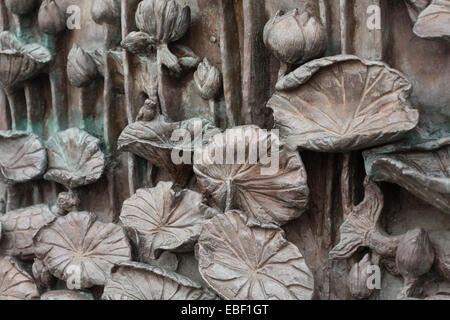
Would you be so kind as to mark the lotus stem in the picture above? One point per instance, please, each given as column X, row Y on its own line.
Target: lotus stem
column 162, row 100
column 344, row 9
column 15, row 112
column 212, row 111
column 346, row 182
column 231, row 63
column 107, row 113
column 128, row 84
column 58, row 87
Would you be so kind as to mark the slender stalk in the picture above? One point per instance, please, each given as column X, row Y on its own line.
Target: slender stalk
column 162, row 99
column 231, row 62
column 108, row 133
column 344, row 8
column 58, row 86
column 212, row 111
column 16, row 113
column 128, row 84
column 256, row 73
column 346, row 179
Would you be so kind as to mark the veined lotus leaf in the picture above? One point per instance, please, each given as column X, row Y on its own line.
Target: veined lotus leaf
column 342, row 103
column 138, row 281
column 19, row 228
column 434, row 21
column 22, row 157
column 270, row 187
column 66, row 295
column 425, row 174
column 152, row 140
column 78, row 248
column 163, row 218
column 15, row 282
column 18, row 61
column 75, row 158
column 245, row 263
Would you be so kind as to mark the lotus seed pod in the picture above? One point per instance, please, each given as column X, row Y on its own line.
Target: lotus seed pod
column 295, row 37
column 357, row 279
column 208, row 80
column 41, row 274
column 105, row 11
column 81, row 68
column 51, row 18
column 164, row 20
column 20, row 7
column 415, row 254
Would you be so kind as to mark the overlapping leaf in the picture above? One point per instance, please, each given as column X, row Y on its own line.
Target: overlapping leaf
column 163, row 218
column 75, row 158
column 19, row 62
column 16, row 283
column 426, row 174
column 153, row 141
column 342, row 103
column 78, row 248
column 137, row 281
column 270, row 190
column 245, row 263
column 19, row 228
column 22, row 156
column 434, row 21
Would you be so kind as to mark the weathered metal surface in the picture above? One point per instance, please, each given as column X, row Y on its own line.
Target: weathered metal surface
column 85, row 82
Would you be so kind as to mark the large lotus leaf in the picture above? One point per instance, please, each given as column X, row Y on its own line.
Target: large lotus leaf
column 19, row 228
column 245, row 263
column 19, row 62
column 16, row 283
column 152, row 140
column 342, row 103
column 267, row 196
column 75, row 158
column 78, row 249
column 137, row 281
column 434, row 21
column 22, row 156
column 163, row 218
column 425, row 174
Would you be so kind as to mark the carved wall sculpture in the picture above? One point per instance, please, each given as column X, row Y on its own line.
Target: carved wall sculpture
column 224, row 149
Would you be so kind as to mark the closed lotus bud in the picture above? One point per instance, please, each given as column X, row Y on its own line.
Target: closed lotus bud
column 105, row 11
column 41, row 274
column 415, row 254
column 21, row 7
column 164, row 20
column 208, row 80
column 81, row 68
column 51, row 18
column 295, row 37
column 357, row 279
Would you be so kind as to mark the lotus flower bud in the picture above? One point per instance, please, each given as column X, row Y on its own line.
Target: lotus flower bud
column 20, row 7
column 164, row 20
column 415, row 254
column 81, row 68
column 138, row 43
column 295, row 37
column 51, row 18
column 105, row 11
column 208, row 80
column 41, row 274
column 357, row 279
